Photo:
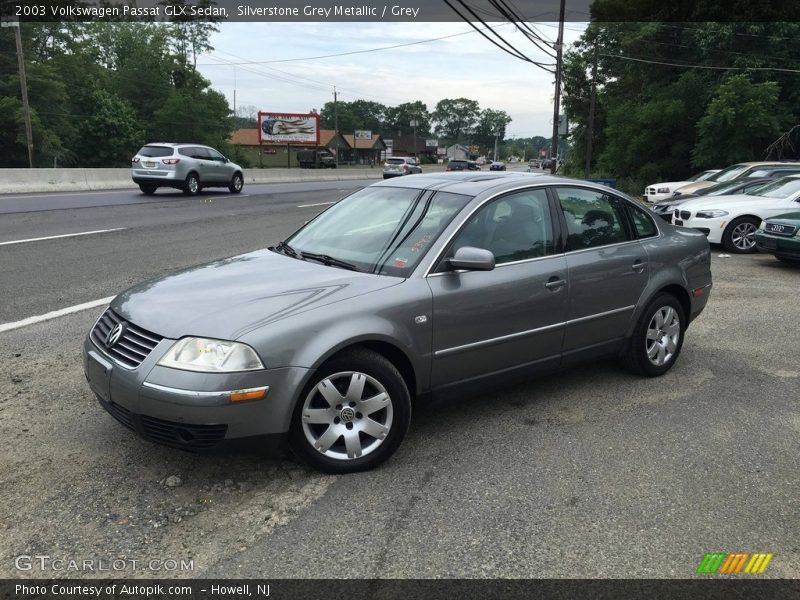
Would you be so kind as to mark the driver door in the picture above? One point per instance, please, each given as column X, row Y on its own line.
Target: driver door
column 486, row 322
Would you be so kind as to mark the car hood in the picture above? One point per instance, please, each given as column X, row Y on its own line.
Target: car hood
column 693, row 186
column 227, row 298
column 669, row 184
column 726, row 202
column 785, row 218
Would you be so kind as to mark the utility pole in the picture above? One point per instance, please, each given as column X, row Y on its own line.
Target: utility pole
column 495, row 147
column 234, row 91
column 557, row 99
column 414, row 125
column 23, row 83
column 336, row 124
column 590, row 133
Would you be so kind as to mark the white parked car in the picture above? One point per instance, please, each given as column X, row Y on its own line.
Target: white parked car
column 659, row 191
column 733, row 220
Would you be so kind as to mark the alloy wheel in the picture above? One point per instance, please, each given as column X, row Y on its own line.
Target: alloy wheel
column 743, row 236
column 347, row 415
column 663, row 335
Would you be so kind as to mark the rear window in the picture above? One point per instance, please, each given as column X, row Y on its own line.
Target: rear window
column 457, row 163
column 153, row 151
column 395, row 161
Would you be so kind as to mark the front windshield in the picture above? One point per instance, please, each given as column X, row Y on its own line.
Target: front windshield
column 728, row 173
column 701, row 176
column 383, row 230
column 782, row 188
column 719, row 189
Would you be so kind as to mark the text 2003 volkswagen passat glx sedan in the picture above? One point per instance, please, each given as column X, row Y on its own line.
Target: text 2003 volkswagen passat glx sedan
column 407, row 289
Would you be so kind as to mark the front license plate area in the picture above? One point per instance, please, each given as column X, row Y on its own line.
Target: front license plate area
column 98, row 373
column 768, row 244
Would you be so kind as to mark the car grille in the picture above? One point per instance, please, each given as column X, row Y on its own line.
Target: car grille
column 168, row 433
column 133, row 346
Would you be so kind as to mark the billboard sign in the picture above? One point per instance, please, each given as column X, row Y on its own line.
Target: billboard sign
column 288, row 128
column 363, row 134
column 431, row 143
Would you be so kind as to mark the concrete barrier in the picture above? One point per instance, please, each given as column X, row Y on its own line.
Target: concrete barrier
column 22, row 181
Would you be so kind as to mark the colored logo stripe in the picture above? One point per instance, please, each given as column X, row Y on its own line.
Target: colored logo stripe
column 734, row 562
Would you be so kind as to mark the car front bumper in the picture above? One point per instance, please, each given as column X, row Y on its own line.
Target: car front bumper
column 783, row 246
column 187, row 409
column 712, row 228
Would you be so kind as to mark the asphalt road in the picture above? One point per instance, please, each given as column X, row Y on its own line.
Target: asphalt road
column 588, row 473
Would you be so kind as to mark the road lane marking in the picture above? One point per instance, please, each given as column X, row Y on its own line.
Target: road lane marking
column 55, row 313
column 317, row 204
column 66, row 235
column 23, row 197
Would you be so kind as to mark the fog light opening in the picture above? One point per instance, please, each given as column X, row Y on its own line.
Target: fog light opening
column 184, row 435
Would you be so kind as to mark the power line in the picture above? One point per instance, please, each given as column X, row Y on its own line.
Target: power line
column 283, row 60
column 715, row 68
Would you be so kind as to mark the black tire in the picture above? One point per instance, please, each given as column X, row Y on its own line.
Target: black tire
column 635, row 356
column 191, row 185
column 147, row 189
column 338, row 370
column 731, row 240
column 237, row 183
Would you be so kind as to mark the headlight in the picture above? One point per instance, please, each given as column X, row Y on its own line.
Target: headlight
column 711, row 214
column 662, row 191
column 213, row 356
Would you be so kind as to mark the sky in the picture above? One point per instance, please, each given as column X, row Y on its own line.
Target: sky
column 465, row 65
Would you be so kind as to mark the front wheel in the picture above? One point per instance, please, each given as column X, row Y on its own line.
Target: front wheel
column 237, row 183
column 657, row 338
column 191, row 185
column 353, row 414
column 740, row 236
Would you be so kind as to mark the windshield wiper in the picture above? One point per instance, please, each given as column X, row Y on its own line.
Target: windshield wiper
column 329, row 261
column 286, row 249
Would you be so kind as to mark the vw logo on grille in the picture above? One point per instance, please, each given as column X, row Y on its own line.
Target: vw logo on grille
column 347, row 414
column 113, row 336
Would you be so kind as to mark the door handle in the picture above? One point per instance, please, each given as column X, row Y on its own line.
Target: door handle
column 638, row 265
column 554, row 283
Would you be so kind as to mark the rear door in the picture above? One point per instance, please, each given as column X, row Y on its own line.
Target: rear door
column 607, row 266
column 486, row 322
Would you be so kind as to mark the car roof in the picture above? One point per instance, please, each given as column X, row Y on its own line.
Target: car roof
column 474, row 183
column 176, row 144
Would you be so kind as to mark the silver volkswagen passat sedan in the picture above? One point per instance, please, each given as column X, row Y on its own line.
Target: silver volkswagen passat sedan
column 404, row 291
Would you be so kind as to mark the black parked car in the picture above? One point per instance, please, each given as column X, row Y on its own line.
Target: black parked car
column 463, row 165
column 498, row 166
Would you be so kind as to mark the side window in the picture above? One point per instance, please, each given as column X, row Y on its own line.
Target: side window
column 514, row 227
column 642, row 223
column 215, row 155
column 186, row 151
column 200, row 153
column 593, row 218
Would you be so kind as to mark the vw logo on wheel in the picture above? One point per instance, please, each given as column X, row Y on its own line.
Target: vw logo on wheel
column 347, row 414
column 113, row 336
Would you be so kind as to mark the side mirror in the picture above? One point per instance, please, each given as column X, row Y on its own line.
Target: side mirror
column 472, row 259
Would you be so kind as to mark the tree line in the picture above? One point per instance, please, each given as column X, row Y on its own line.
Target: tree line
column 99, row 90
column 676, row 97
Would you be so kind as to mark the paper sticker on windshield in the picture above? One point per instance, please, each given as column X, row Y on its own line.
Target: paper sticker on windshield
column 400, row 263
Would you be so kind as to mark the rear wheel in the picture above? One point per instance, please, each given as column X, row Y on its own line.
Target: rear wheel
column 353, row 414
column 237, row 183
column 740, row 235
column 657, row 338
column 191, row 185
column 149, row 190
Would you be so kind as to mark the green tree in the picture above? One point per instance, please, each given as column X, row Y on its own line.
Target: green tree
column 110, row 134
column 455, row 119
column 739, row 122
column 491, row 125
column 399, row 118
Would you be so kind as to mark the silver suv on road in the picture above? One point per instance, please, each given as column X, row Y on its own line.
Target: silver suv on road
column 187, row 167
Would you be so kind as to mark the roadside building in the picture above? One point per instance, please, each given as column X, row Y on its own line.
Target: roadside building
column 281, row 155
column 457, row 152
column 363, row 151
column 407, row 145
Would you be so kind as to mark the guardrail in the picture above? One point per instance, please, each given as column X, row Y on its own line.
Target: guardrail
column 20, row 181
